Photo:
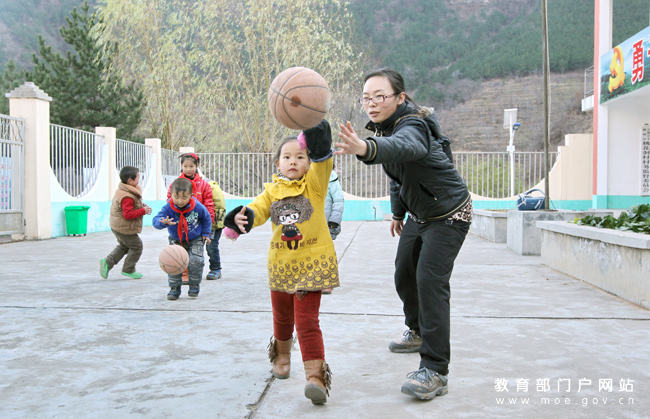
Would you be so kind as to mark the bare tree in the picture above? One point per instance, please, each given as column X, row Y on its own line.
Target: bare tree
column 205, row 67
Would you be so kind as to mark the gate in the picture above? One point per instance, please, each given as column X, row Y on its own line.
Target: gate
column 12, row 179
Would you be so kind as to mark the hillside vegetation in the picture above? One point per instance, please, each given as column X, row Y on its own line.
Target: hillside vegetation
column 470, row 59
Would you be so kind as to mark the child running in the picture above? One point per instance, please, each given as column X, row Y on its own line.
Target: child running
column 127, row 210
column 301, row 260
column 189, row 224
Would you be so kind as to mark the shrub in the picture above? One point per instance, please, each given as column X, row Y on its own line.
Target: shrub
column 636, row 219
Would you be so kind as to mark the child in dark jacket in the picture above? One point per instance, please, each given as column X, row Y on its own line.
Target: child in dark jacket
column 202, row 191
column 189, row 225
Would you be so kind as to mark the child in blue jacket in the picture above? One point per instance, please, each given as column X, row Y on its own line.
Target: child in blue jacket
column 189, row 225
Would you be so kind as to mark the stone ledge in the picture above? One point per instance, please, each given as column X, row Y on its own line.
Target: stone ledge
column 525, row 237
column 490, row 225
column 605, row 235
column 615, row 261
column 489, row 213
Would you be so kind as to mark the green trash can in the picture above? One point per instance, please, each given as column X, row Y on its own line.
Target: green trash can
column 76, row 220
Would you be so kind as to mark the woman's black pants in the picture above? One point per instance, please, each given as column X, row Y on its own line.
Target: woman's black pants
column 423, row 265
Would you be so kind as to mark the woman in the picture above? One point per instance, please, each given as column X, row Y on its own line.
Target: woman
column 424, row 184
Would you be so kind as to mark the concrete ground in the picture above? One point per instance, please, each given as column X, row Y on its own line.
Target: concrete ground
column 527, row 341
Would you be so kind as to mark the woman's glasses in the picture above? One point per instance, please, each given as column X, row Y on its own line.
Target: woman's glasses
column 377, row 99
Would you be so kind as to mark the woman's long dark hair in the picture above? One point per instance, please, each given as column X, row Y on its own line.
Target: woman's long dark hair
column 396, row 80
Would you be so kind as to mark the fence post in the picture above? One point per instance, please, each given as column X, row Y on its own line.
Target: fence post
column 33, row 105
column 156, row 148
column 109, row 134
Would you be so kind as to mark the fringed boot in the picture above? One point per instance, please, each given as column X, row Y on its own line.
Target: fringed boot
column 280, row 356
column 319, row 380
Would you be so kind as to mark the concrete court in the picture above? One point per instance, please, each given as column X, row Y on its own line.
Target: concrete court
column 73, row 345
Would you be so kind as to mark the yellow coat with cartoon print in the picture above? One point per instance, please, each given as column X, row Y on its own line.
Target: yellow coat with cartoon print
column 301, row 253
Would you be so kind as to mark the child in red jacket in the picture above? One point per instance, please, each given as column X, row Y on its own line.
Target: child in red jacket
column 201, row 190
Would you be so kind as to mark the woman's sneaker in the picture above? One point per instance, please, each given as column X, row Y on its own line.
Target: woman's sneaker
column 425, row 384
column 411, row 342
column 174, row 293
column 194, row 291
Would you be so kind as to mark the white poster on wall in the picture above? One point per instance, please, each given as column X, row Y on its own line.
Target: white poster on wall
column 645, row 160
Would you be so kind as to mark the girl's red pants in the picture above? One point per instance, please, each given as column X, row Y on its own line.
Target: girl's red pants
column 288, row 311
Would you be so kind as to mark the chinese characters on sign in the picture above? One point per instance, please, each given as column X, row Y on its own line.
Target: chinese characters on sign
column 565, row 391
column 637, row 61
column 545, row 385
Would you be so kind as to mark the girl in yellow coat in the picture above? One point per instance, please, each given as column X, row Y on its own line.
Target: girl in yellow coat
column 301, row 260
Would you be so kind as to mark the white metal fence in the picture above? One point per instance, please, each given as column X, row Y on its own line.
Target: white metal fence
column 171, row 166
column 12, row 179
column 75, row 157
column 239, row 174
column 589, row 81
column 486, row 174
column 243, row 174
column 12, row 134
column 489, row 175
column 128, row 153
column 171, row 162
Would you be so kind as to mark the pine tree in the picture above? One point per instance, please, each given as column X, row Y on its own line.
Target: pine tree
column 9, row 80
column 84, row 94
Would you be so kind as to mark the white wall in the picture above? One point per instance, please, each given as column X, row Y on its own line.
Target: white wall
column 626, row 119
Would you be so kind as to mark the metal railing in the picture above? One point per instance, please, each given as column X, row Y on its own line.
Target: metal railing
column 12, row 157
column 239, row 174
column 486, row 174
column 589, row 82
column 245, row 174
column 128, row 153
column 360, row 179
column 75, row 157
column 171, row 165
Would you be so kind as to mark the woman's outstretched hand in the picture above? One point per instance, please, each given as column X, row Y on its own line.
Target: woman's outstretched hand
column 350, row 141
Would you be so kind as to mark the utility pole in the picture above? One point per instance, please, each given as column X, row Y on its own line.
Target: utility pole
column 545, row 67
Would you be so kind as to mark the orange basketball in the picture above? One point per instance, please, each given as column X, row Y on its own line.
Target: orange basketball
column 174, row 259
column 299, row 98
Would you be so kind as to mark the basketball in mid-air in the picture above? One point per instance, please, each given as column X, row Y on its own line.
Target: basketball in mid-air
column 174, row 259
column 299, row 98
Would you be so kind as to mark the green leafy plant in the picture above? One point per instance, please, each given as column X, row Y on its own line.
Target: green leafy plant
column 636, row 219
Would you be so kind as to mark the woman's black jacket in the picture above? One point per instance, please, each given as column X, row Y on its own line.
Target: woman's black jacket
column 424, row 182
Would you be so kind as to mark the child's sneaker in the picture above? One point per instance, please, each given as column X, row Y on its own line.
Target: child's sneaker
column 327, row 291
column 174, row 293
column 103, row 268
column 216, row 274
column 134, row 275
column 194, row 291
